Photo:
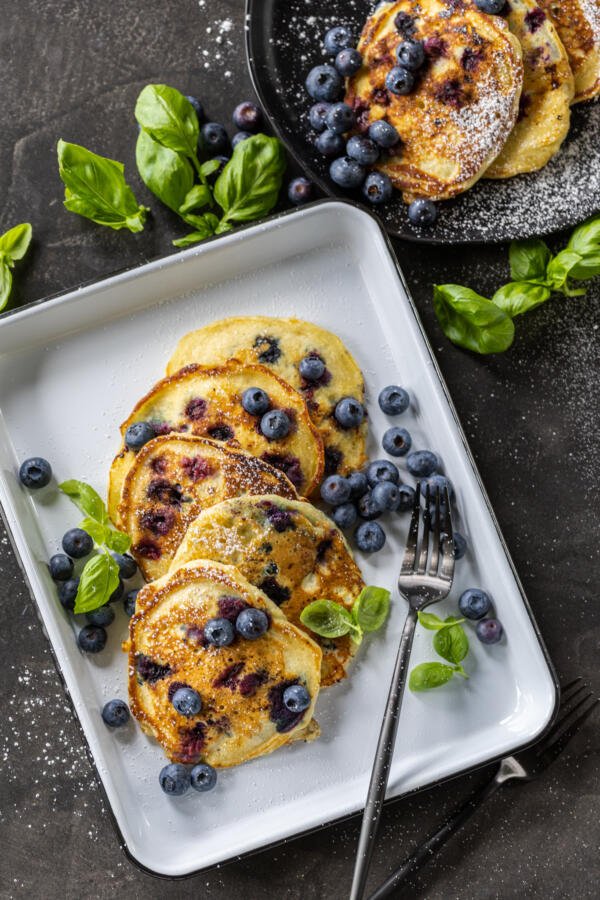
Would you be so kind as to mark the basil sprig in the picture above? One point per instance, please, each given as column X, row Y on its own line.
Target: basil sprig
column 486, row 326
column 14, row 244
column 451, row 643
column 100, row 575
column 332, row 620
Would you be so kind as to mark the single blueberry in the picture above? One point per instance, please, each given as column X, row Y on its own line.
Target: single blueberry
column 219, row 632
column 214, row 140
column 296, row 698
column 383, row 133
column 422, row 463
column 358, row 484
column 138, row 434
column 400, row 80
column 35, row 473
column 346, row 172
column 118, row 592
column 126, row 563
column 422, row 213
column 174, row 779
column 77, row 543
column 393, row 400
column 275, row 425
column 340, row 118
column 67, row 593
column 240, row 136
column 407, row 497
column 104, row 615
column 300, row 190
column 396, row 441
column 362, row 149
column 377, row 188
column 247, row 116
column 337, row 38
column 349, row 412
column 203, row 777
column 255, row 401
column 348, row 62
column 386, row 494
column 186, row 701
column 335, row 490
column 493, row 7
column 317, row 114
column 382, row 470
column 369, row 537
column 345, row 516
column 251, row 623
column 460, row 545
column 92, row 638
column 489, row 631
column 115, row 713
column 410, row 54
column 369, row 507
column 474, row 603
column 330, row 144
column 198, row 108
column 311, row 368
column 130, row 601
column 324, row 83
column 61, row 567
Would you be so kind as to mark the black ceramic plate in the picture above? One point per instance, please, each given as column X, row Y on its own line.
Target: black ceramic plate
column 284, row 41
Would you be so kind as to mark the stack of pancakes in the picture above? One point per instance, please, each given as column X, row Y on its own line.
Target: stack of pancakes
column 493, row 98
column 217, row 519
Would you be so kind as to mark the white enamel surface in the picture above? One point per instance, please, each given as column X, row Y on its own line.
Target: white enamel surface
column 71, row 370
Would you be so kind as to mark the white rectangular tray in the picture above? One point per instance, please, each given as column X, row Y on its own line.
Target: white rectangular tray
column 72, row 368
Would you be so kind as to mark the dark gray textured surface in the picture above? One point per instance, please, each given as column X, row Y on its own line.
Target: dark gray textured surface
column 73, row 70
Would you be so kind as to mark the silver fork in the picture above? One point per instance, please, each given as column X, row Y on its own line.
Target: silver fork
column 425, row 578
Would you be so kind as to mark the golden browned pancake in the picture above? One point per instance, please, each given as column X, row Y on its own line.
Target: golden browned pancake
column 291, row 551
column 241, row 686
column 578, row 26
column 172, row 480
column 465, row 101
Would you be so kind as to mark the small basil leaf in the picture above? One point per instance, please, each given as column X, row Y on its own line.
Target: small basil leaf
column 95, row 529
column 559, row 270
column 371, row 608
column 326, row 618
column 223, row 227
column 86, row 498
column 210, row 167
column 528, row 259
column 588, row 267
column 429, row 675
column 248, row 186
column 469, row 320
column 169, row 118
column 430, row 621
column 166, row 173
column 117, row 540
column 99, row 579
column 519, row 297
column 194, row 237
column 5, row 283
column 585, row 240
column 197, row 197
column 451, row 643
column 15, row 242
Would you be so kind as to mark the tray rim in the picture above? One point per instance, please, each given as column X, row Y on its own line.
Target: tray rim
column 175, row 259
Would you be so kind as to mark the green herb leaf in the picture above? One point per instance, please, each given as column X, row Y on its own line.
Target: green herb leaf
column 371, row 608
column 429, row 675
column 169, row 118
column 165, row 172
column 95, row 188
column 528, row 259
column 197, row 197
column 585, row 240
column 248, row 186
column 587, row 267
column 326, row 618
column 99, row 579
column 469, row 320
column 117, row 540
column 86, row 498
column 209, row 167
column 5, row 283
column 430, row 621
column 519, row 297
column 15, row 242
column 559, row 271
column 451, row 643
column 95, row 529
column 194, row 237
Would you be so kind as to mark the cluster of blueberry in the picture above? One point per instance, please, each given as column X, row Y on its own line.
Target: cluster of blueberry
column 175, row 779
column 476, row 604
column 332, row 119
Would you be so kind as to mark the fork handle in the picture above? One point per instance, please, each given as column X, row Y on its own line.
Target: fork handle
column 383, row 760
column 425, row 852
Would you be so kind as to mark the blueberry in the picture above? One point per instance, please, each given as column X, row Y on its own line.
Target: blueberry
column 345, row 516
column 255, row 401
column 362, row 149
column 214, row 140
column 330, row 144
column 317, row 114
column 441, row 482
column 296, row 698
column 410, row 54
column 369, row 537
column 340, row 118
column 337, row 38
column 219, row 632
column 383, row 133
column 396, row 441
column 377, row 188
column 422, row 213
column 407, row 497
column 240, row 136
column 460, row 545
column 115, row 713
column 104, row 615
column 203, row 777
column 130, row 601
column 126, row 563
column 346, row 172
column 300, row 191
column 474, row 603
column 400, row 80
column 349, row 412
column 251, row 623
column 118, row 593
column 61, row 567
column 35, row 472
column 138, row 434
column 198, row 108
column 311, row 368
column 348, row 62
column 369, row 507
column 493, row 7
column 186, row 701
column 324, row 83
column 174, row 779
column 275, row 425
column 489, row 631
column 77, row 543
column 247, row 116
column 92, row 638
column 422, row 463
column 358, row 484
column 67, row 593
column 382, row 470
column 386, row 494
column 335, row 490
column 394, row 400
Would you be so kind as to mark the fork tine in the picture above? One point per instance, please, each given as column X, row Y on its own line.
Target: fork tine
column 567, row 687
column 422, row 564
column 408, row 560
column 567, row 714
column 555, row 748
column 447, row 570
column 435, row 544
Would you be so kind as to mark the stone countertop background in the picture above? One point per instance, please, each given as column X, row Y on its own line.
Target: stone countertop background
column 73, row 69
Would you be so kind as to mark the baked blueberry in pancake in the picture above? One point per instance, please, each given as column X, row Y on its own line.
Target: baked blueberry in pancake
column 578, row 26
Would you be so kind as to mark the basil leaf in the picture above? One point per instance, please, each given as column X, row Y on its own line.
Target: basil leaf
column 451, row 643
column 559, row 270
column 528, row 259
column 197, row 197
column 585, row 240
column 430, row 675
column 5, row 283
column 371, row 608
column 169, row 118
column 249, row 184
column 469, row 320
column 95, row 188
column 166, row 173
column 326, row 618
column 209, row 167
column 15, row 242
column 587, row 267
column 95, row 529
column 192, row 238
column 430, row 621
column 86, row 498
column 519, row 297
column 117, row 540
column 99, row 579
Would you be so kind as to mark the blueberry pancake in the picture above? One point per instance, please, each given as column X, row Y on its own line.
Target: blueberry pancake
column 282, row 344
column 172, row 480
column 465, row 101
column 291, row 551
column 578, row 26
column 207, row 401
column 241, row 685
column 544, row 107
